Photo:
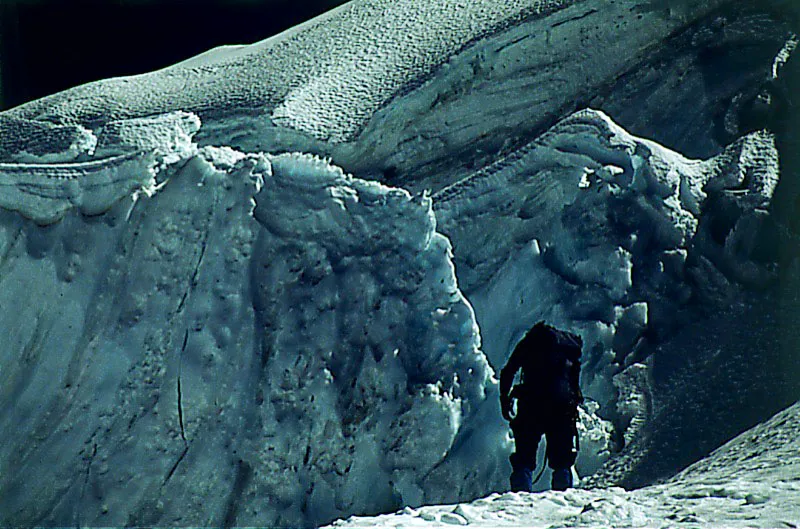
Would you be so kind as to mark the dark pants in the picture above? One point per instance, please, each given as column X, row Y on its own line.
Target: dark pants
column 559, row 431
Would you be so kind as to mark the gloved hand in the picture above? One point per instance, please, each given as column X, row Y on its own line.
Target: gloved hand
column 506, row 407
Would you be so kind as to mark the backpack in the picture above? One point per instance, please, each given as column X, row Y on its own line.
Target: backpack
column 551, row 369
column 567, row 349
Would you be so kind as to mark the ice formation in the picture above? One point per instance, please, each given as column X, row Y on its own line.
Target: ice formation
column 269, row 285
column 591, row 227
column 312, row 339
column 596, row 230
column 308, row 324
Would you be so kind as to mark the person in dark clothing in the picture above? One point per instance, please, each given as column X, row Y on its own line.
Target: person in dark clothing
column 547, row 403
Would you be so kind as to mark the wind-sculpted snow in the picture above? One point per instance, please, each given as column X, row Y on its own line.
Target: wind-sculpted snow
column 324, row 77
column 609, row 235
column 372, row 352
column 592, row 227
column 183, row 359
column 311, row 357
column 206, row 331
column 45, row 193
column 128, row 155
column 413, row 93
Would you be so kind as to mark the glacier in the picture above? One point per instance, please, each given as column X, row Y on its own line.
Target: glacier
column 275, row 289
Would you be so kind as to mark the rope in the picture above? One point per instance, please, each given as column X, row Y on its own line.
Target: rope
column 545, row 460
column 539, row 475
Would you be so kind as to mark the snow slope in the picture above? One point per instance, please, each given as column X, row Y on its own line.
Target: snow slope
column 413, row 94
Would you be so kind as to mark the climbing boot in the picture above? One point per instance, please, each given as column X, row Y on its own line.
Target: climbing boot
column 562, row 479
column 522, row 479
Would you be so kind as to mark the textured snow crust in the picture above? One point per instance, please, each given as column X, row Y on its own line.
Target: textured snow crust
column 386, row 89
column 125, row 159
column 323, row 77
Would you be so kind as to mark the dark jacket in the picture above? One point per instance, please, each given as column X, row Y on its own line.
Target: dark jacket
column 551, row 366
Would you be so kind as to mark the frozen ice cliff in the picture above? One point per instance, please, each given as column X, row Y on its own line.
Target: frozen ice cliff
column 297, row 347
column 271, row 284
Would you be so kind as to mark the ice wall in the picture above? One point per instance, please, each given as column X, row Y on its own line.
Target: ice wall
column 608, row 222
column 611, row 236
column 266, row 339
column 183, row 356
column 371, row 352
column 178, row 355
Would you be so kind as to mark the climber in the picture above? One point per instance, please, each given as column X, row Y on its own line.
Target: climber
column 547, row 403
